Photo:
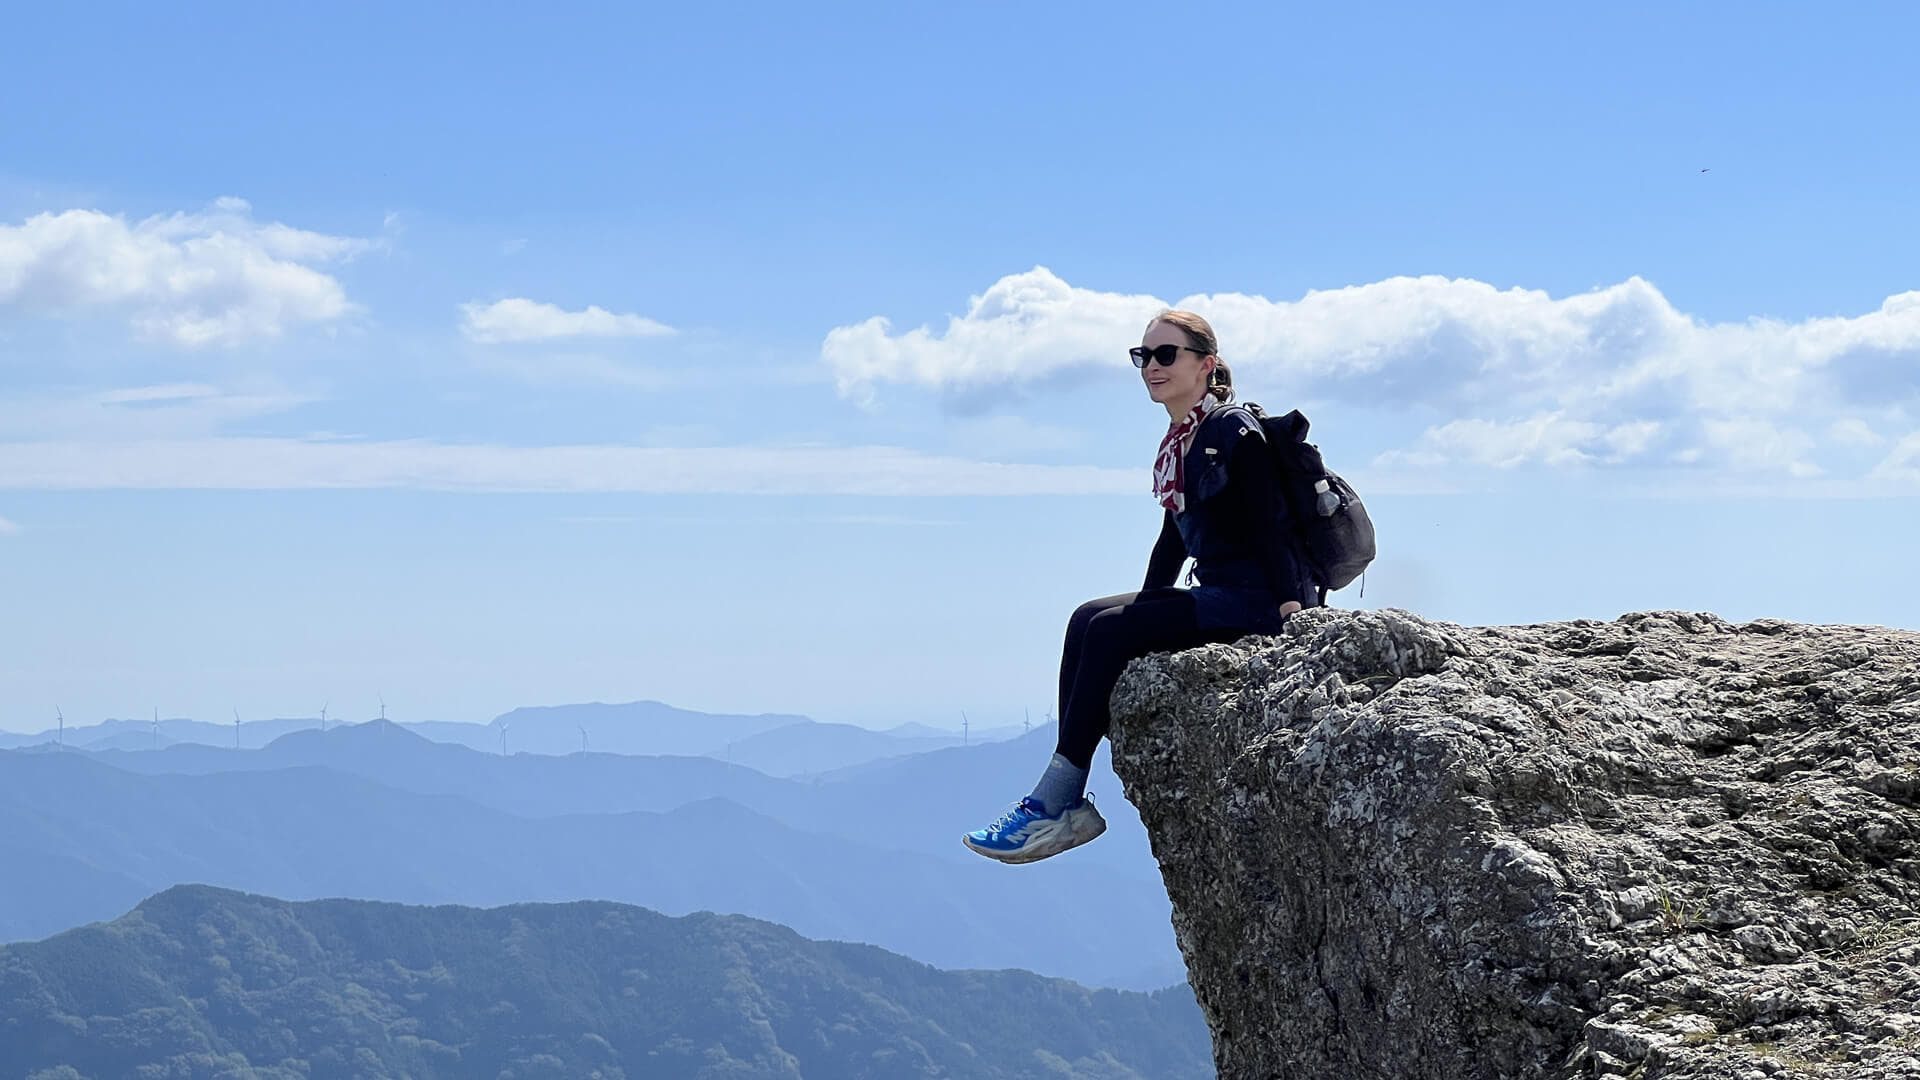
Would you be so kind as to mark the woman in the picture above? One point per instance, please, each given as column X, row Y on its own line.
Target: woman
column 1214, row 476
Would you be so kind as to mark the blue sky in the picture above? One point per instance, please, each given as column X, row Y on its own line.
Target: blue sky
column 750, row 358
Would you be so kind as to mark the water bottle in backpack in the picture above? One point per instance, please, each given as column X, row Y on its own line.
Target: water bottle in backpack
column 1335, row 539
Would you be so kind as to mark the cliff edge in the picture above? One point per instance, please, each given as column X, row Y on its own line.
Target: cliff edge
column 1663, row 846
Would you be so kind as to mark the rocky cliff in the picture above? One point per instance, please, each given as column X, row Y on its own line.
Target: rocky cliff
column 1663, row 846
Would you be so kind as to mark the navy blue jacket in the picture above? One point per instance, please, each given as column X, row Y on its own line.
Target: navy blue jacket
column 1235, row 526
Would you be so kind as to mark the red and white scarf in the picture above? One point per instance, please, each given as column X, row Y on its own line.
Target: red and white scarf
column 1169, row 467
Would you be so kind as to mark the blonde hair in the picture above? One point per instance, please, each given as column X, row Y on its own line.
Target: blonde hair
column 1200, row 336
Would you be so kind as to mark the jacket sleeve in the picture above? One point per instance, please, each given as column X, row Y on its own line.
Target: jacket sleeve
column 1265, row 515
column 1169, row 553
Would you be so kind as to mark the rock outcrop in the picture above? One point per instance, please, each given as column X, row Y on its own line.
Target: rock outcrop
column 1663, row 846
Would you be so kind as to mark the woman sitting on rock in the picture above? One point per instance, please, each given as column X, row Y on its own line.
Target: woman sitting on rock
column 1215, row 477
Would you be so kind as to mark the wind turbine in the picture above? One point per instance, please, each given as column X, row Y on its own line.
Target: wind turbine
column 383, row 707
column 503, row 738
column 583, row 737
column 62, row 737
column 966, row 729
column 236, row 729
column 156, row 727
column 1026, row 724
column 323, row 716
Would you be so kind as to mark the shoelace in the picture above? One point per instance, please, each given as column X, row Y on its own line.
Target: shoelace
column 1009, row 820
column 1016, row 813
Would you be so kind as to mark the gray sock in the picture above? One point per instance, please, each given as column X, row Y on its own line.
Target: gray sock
column 1061, row 785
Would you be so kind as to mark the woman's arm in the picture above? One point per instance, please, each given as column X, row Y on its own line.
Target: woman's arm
column 1250, row 476
column 1169, row 552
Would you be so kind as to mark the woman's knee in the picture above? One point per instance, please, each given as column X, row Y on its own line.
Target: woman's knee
column 1084, row 614
column 1109, row 627
column 1134, row 630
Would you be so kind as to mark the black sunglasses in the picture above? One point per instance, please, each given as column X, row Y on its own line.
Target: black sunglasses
column 1164, row 355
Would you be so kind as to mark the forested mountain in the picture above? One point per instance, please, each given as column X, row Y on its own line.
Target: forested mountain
column 203, row 983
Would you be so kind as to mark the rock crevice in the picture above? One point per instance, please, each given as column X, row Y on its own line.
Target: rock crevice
column 1662, row 846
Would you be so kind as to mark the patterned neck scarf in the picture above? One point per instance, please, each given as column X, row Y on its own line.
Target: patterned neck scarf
column 1169, row 467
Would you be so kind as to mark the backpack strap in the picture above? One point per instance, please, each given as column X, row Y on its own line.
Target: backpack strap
column 1291, row 426
column 1249, row 416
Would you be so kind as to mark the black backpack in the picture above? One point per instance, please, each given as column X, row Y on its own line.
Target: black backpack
column 1333, row 534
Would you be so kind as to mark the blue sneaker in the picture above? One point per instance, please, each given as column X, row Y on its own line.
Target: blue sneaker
column 1027, row 833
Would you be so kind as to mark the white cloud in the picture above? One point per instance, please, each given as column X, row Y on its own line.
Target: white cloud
column 215, row 277
column 281, row 464
column 517, row 320
column 1549, row 438
column 1555, row 440
column 171, row 410
column 1854, row 431
column 1614, row 376
column 164, row 393
column 1025, row 325
column 1902, row 464
column 1757, row 444
column 8, row 528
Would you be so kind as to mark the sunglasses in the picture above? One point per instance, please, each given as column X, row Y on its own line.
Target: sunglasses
column 1164, row 355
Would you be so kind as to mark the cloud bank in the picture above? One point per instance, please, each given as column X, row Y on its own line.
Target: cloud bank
column 1508, row 377
column 291, row 464
column 124, row 414
column 215, row 277
column 521, row 320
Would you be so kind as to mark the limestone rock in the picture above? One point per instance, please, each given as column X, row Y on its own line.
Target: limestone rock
column 1663, row 846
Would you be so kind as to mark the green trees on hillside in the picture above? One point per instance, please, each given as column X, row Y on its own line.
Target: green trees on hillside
column 201, row 982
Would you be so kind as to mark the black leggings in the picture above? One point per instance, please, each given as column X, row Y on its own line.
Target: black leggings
column 1102, row 636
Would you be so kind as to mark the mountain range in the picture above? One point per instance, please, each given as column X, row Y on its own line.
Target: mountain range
column 929, row 798
column 777, row 744
column 375, row 811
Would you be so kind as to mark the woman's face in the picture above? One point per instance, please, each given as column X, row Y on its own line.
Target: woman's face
column 1186, row 380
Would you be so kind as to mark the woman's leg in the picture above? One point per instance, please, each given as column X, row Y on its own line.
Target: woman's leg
column 1063, row 782
column 1076, row 634
column 1102, row 635
column 1160, row 620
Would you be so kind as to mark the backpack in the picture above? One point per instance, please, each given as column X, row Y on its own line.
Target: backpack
column 1333, row 534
